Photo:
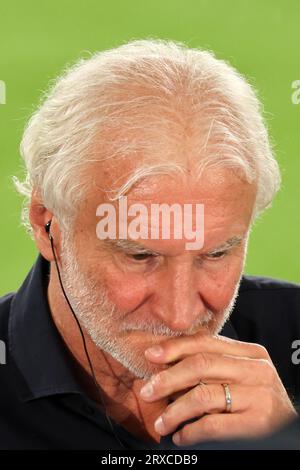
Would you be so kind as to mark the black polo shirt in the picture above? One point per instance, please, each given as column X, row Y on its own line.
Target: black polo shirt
column 42, row 404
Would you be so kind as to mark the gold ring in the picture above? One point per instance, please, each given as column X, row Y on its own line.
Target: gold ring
column 228, row 399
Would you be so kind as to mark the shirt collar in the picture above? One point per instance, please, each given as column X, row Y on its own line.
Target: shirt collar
column 35, row 344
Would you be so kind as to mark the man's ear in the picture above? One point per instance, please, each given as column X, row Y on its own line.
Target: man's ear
column 39, row 216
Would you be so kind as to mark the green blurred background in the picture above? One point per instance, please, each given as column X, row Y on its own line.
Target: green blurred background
column 259, row 37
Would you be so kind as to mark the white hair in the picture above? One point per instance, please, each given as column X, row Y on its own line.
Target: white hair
column 157, row 102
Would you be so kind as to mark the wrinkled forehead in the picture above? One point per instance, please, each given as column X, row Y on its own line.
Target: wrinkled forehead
column 224, row 196
column 168, row 182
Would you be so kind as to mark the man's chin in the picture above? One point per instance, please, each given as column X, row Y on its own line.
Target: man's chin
column 145, row 371
column 136, row 361
column 137, row 364
column 129, row 349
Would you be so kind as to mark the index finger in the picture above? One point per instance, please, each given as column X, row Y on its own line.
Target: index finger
column 175, row 349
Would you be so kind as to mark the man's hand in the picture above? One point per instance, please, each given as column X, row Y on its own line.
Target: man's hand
column 260, row 402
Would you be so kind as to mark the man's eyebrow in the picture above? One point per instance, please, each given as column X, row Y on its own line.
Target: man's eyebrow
column 230, row 243
column 130, row 246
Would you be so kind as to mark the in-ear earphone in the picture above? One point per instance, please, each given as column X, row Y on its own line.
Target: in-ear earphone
column 47, row 229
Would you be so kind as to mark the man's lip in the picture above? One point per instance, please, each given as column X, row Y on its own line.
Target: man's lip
column 163, row 335
column 135, row 330
column 149, row 333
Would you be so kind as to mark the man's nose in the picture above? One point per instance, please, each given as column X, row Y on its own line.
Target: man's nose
column 178, row 300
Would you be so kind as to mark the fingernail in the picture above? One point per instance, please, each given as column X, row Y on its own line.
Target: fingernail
column 176, row 439
column 147, row 390
column 155, row 351
column 159, row 425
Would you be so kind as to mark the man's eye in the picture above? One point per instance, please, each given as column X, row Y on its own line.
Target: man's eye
column 141, row 256
column 216, row 255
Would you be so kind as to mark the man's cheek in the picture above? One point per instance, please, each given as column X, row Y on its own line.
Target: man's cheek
column 127, row 294
column 220, row 293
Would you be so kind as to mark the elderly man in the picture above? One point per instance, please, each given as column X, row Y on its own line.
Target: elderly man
column 130, row 336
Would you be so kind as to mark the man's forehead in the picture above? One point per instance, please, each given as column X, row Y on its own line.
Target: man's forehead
column 170, row 188
column 170, row 213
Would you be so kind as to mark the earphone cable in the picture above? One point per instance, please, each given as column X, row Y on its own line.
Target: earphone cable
column 85, row 349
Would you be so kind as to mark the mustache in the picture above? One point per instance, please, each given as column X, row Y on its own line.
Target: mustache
column 150, row 326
